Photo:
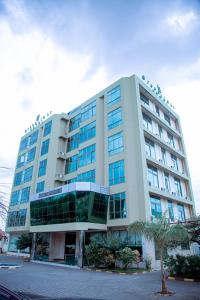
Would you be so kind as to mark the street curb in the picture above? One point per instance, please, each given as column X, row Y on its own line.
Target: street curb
column 120, row 273
column 9, row 267
column 182, row 279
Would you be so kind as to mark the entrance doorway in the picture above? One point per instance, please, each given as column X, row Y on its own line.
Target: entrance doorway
column 70, row 248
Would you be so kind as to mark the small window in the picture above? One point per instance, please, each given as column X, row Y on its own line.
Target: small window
column 45, row 147
column 115, row 143
column 167, row 119
column 42, row 168
column 114, row 96
column 144, row 99
column 47, row 128
column 115, row 118
column 118, row 206
column 116, row 172
column 156, row 210
column 40, row 187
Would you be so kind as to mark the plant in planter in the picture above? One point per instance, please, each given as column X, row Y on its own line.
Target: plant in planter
column 127, row 256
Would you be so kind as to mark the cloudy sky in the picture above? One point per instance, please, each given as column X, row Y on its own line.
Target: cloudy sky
column 56, row 54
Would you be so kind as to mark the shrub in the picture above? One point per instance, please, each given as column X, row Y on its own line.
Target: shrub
column 127, row 256
column 98, row 256
column 184, row 266
column 148, row 263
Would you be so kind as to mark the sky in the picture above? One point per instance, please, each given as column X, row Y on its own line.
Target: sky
column 57, row 54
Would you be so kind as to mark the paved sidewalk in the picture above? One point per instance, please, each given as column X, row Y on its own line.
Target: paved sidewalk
column 58, row 282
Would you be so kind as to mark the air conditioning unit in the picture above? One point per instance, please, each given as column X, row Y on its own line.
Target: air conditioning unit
column 60, row 175
column 149, row 183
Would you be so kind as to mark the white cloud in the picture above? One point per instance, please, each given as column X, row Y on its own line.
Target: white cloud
column 182, row 22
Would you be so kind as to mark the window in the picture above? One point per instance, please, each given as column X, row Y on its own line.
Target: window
column 118, row 206
column 115, row 118
column 42, row 168
column 167, row 182
column 114, row 96
column 144, row 99
column 88, row 111
column 88, row 132
column 33, row 138
column 171, row 211
column 31, row 155
column 167, row 119
column 147, row 122
column 73, row 142
column 178, row 189
column 181, row 212
column 28, row 174
column 23, row 144
column 174, row 162
column 160, row 130
column 21, row 160
column 156, row 210
column 87, row 155
column 18, row 178
column 163, row 155
column 157, row 110
column 45, row 147
column 25, row 195
column 115, row 143
column 74, row 122
column 17, row 218
column 149, row 148
column 170, row 139
column 71, row 180
column 71, row 164
column 87, row 176
column 153, row 176
column 40, row 186
column 47, row 128
column 14, row 200
column 116, row 172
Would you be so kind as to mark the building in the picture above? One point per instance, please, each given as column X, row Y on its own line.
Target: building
column 117, row 158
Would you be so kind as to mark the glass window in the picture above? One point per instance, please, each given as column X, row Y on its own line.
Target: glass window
column 33, row 138
column 160, row 130
column 25, row 193
column 114, row 96
column 164, row 158
column 87, row 132
column 156, row 210
column 28, row 174
column 167, row 182
column 171, row 139
column 31, row 155
column 23, row 144
column 115, row 118
column 87, row 155
column 116, row 172
column 21, row 161
column 87, row 176
column 74, row 122
column 71, row 164
column 45, row 147
column 174, row 162
column 181, row 212
column 40, row 186
column 171, row 211
column 73, row 142
column 153, row 176
column 17, row 218
column 22, row 217
column 150, row 148
column 118, row 206
column 144, row 99
column 88, row 111
column 42, row 167
column 14, row 198
column 115, row 143
column 18, row 178
column 147, row 122
column 71, row 180
column 47, row 128
column 167, row 119
column 178, row 189
column 157, row 110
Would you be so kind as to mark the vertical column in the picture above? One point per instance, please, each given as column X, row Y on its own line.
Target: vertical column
column 100, row 141
column 81, row 248
column 33, row 246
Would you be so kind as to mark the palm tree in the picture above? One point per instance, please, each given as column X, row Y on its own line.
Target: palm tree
column 165, row 235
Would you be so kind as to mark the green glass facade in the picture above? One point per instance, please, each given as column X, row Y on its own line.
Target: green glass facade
column 77, row 206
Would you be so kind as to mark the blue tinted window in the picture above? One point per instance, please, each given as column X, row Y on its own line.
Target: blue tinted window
column 181, row 213
column 21, row 160
column 71, row 164
column 74, row 122
column 23, row 144
column 45, row 147
column 40, row 187
column 25, row 195
column 118, row 206
column 156, row 210
column 87, row 155
column 47, row 128
column 33, row 138
column 18, row 178
column 88, row 111
column 87, row 132
column 42, row 168
column 116, row 172
column 114, row 95
column 153, row 176
column 31, row 155
column 28, row 174
column 17, row 218
column 73, row 142
column 14, row 198
column 114, row 118
column 71, row 180
column 87, row 176
column 115, row 143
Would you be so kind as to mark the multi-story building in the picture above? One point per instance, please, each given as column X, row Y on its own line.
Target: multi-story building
column 117, row 158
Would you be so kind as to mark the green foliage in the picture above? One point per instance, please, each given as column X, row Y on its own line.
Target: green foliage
column 193, row 228
column 184, row 266
column 148, row 261
column 128, row 256
column 24, row 241
column 110, row 243
column 99, row 256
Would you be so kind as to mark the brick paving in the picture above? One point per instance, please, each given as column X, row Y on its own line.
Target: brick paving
column 58, row 282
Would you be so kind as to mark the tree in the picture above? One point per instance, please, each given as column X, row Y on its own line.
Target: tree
column 193, row 227
column 24, row 241
column 165, row 235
